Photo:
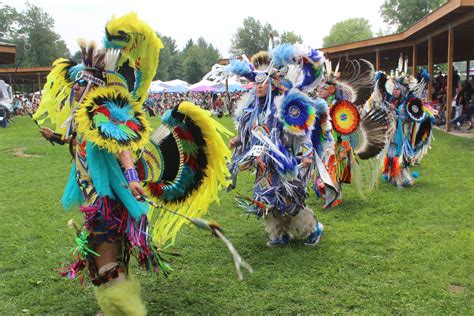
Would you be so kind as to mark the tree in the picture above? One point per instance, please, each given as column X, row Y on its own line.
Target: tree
column 198, row 59
column 350, row 30
column 9, row 18
column 32, row 32
column 165, row 62
column 77, row 56
column 290, row 38
column 403, row 13
column 251, row 38
column 194, row 64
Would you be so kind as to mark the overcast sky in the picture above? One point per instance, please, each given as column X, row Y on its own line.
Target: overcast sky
column 216, row 21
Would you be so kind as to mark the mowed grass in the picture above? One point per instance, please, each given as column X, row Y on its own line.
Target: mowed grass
column 398, row 251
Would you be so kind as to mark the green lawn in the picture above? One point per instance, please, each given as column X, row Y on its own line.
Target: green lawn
column 398, row 251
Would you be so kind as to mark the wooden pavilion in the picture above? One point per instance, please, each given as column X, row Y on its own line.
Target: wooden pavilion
column 7, row 53
column 35, row 76
column 446, row 35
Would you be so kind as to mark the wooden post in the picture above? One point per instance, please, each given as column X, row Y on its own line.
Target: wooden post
column 449, row 95
column 377, row 60
column 468, row 66
column 39, row 83
column 347, row 57
column 414, row 62
column 430, row 67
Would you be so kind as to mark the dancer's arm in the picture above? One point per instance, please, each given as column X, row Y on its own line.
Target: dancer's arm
column 50, row 135
column 131, row 174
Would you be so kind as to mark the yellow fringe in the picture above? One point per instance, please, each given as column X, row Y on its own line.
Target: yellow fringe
column 216, row 173
column 142, row 51
column 57, row 89
column 84, row 123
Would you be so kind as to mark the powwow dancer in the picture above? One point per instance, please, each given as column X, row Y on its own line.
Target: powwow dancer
column 357, row 133
column 412, row 120
column 121, row 175
column 274, row 123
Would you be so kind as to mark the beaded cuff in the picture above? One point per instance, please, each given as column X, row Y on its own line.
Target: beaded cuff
column 131, row 175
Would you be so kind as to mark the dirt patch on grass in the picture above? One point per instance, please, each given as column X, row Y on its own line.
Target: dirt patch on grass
column 20, row 153
column 456, row 289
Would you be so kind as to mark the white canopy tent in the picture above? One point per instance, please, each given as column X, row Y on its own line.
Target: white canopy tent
column 175, row 83
column 203, row 82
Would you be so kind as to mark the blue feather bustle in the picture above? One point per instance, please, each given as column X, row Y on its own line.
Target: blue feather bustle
column 283, row 55
column 295, row 110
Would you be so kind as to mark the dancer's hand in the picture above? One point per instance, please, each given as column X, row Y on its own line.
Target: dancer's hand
column 137, row 190
column 234, row 142
column 46, row 132
column 306, row 162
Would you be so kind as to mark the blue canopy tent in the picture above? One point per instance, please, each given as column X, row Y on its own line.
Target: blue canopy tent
column 232, row 88
column 177, row 89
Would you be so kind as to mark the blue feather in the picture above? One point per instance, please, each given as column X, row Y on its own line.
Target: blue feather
column 314, row 55
column 282, row 55
column 288, row 163
column 378, row 75
column 181, row 186
column 138, row 82
column 113, row 131
column 121, row 113
column 320, row 105
column 423, row 75
column 112, row 44
column 74, row 70
column 239, row 67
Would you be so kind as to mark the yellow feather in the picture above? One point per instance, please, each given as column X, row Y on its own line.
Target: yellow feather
column 167, row 225
column 141, row 52
column 56, row 91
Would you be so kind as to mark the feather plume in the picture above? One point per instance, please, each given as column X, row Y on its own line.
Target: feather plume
column 370, row 138
column 400, row 64
column 239, row 67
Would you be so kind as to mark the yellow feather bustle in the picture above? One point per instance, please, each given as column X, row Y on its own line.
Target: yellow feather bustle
column 56, row 93
column 167, row 225
column 141, row 52
column 91, row 133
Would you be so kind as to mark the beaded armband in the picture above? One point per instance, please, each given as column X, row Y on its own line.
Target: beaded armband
column 131, row 175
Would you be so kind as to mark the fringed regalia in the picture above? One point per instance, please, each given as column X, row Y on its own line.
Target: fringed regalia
column 181, row 165
column 358, row 133
column 274, row 137
column 412, row 122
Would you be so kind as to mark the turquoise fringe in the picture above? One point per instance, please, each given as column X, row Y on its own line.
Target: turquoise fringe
column 72, row 196
column 108, row 180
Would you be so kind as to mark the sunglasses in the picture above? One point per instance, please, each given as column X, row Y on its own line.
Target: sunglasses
column 82, row 79
column 81, row 82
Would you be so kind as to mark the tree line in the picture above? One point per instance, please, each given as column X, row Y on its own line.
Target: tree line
column 32, row 30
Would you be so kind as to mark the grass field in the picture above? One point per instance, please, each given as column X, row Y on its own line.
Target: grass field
column 398, row 251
